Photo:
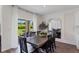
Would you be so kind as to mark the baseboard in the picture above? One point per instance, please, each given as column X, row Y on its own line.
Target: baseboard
column 60, row 40
column 66, row 43
column 5, row 51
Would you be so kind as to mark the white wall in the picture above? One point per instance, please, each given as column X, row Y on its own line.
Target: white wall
column 24, row 14
column 9, row 28
column 76, row 28
column 34, row 22
column 6, row 26
column 0, row 13
column 67, row 19
column 69, row 32
column 0, row 18
column 14, row 28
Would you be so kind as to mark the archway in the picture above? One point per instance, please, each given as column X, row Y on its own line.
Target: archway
column 57, row 25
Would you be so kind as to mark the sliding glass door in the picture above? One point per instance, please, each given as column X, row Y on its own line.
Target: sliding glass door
column 21, row 27
column 24, row 26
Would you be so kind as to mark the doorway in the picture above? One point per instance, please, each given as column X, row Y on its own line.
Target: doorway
column 56, row 25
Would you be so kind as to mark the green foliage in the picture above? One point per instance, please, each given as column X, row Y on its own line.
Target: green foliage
column 30, row 26
column 21, row 29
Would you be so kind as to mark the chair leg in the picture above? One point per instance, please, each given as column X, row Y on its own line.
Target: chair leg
column 54, row 45
column 21, row 50
column 47, row 50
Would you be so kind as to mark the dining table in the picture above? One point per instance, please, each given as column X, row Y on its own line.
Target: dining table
column 35, row 40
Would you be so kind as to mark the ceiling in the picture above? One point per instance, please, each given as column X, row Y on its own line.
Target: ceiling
column 47, row 9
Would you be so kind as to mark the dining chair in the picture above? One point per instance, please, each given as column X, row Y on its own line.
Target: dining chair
column 51, row 43
column 54, row 31
column 48, row 45
column 23, row 45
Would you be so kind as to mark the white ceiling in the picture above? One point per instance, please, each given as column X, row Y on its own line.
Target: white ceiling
column 47, row 9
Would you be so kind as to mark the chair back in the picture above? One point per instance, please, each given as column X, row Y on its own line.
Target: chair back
column 23, row 45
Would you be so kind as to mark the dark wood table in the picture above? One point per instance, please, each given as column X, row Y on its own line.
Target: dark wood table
column 38, row 41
